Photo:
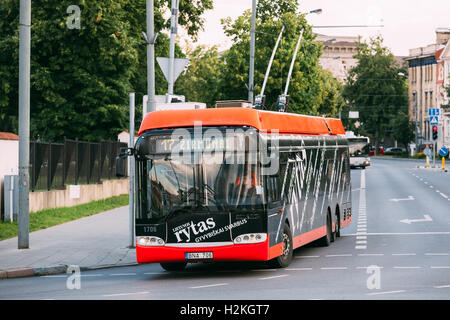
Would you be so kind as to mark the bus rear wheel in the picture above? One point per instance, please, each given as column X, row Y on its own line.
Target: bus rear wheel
column 173, row 266
column 327, row 238
column 288, row 250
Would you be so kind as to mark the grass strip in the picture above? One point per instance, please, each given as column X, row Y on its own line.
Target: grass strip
column 52, row 217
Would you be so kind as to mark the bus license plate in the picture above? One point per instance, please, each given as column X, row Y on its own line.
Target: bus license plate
column 198, row 255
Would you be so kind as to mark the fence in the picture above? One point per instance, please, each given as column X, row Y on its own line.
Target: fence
column 54, row 165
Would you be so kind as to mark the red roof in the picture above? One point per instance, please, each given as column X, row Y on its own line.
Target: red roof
column 258, row 119
column 8, row 136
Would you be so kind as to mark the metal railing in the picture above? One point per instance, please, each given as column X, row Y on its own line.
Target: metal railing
column 54, row 165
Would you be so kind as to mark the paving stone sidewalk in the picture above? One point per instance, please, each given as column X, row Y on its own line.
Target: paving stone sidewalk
column 97, row 241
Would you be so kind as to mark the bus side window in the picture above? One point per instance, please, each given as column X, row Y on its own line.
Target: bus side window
column 273, row 189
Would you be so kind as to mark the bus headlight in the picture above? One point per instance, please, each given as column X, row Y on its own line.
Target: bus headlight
column 150, row 241
column 250, row 238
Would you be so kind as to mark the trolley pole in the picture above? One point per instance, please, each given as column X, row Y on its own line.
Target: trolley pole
column 252, row 53
column 24, row 123
column 131, row 171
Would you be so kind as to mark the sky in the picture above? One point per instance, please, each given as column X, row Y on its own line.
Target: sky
column 407, row 23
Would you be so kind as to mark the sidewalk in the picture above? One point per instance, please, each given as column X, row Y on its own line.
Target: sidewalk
column 92, row 242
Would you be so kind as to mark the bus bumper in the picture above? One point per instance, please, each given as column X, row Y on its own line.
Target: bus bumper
column 228, row 252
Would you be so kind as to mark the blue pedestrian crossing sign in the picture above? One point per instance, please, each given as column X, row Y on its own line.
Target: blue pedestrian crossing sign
column 434, row 119
column 443, row 152
column 434, row 115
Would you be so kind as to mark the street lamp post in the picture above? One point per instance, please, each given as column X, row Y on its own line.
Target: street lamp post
column 24, row 123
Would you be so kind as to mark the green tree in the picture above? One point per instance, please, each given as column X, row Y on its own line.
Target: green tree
column 202, row 79
column 80, row 78
column 376, row 89
column 403, row 129
column 331, row 100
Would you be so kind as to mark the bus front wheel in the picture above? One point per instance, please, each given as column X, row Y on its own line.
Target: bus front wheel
column 288, row 250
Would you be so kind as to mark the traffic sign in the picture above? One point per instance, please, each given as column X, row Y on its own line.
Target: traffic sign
column 443, row 152
column 433, row 112
column 434, row 119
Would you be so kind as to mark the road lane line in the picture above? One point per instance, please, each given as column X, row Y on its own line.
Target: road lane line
column 385, row 292
column 124, row 294
column 299, row 269
column 122, row 274
column 403, row 254
column 209, row 286
column 445, row 196
column 371, row 254
column 398, row 233
column 362, row 211
column 334, row 268
column 338, row 255
column 441, row 287
column 299, row 257
column 440, row 267
column 274, row 277
column 436, row 254
column 403, row 267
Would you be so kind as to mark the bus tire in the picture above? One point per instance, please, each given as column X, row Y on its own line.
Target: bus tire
column 288, row 250
column 337, row 230
column 327, row 238
column 173, row 266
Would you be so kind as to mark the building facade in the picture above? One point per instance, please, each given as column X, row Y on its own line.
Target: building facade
column 426, row 78
column 337, row 56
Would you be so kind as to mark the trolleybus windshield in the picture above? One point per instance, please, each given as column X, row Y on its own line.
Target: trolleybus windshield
column 199, row 180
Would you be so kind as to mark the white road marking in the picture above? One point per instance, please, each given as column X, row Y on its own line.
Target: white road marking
column 398, row 233
column 361, row 242
column 299, row 257
column 298, row 269
column 436, row 254
column 441, row 287
column 334, row 268
column 209, row 286
column 361, row 237
column 404, row 267
column 385, row 292
column 123, row 274
column 445, row 196
column 440, row 267
column 371, row 254
column 274, row 277
column 360, row 247
column 124, row 294
column 338, row 255
column 403, row 254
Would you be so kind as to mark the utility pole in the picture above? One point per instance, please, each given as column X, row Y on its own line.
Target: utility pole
column 173, row 34
column 252, row 53
column 24, row 123
column 131, row 171
column 150, row 38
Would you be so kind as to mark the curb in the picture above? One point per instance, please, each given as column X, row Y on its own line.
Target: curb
column 52, row 270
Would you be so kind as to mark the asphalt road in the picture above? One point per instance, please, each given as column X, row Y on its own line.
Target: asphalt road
column 398, row 247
